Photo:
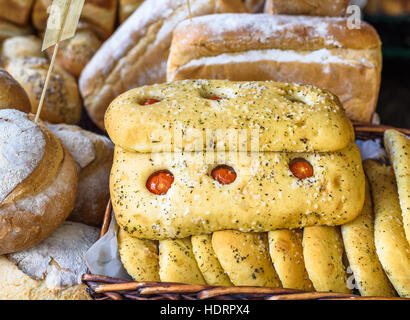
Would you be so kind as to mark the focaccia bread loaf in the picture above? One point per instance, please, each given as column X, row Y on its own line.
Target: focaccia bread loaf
column 12, row 95
column 262, row 198
column 39, row 182
column 16, row 11
column 51, row 270
column 285, row 117
column 308, row 50
column 93, row 154
column 62, row 103
column 331, row 8
column 99, row 15
column 137, row 52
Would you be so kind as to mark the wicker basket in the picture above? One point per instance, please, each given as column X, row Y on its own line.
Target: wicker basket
column 105, row 288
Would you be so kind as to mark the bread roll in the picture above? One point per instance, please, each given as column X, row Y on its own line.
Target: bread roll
column 323, row 253
column 62, row 102
column 12, row 95
column 8, row 30
column 74, row 54
column 308, row 50
column 177, row 262
column 16, row 11
column 398, row 149
column 39, row 182
column 51, row 270
column 127, row 8
column 98, row 15
column 392, row 247
column 137, row 52
column 331, row 8
column 207, row 261
column 358, row 239
column 22, row 46
column 139, row 257
column 93, row 154
column 286, row 251
column 245, row 258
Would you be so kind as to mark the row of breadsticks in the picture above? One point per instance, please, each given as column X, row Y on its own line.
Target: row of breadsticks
column 370, row 253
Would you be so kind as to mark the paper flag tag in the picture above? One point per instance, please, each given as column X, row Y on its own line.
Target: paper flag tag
column 62, row 21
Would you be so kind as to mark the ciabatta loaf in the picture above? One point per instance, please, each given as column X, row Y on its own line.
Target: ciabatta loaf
column 308, row 50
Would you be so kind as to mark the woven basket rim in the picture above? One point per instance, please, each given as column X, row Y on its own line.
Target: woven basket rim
column 107, row 288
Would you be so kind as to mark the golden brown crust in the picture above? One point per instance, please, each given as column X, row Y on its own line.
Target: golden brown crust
column 245, row 258
column 16, row 11
column 22, row 46
column 127, row 8
column 137, row 52
column 331, row 8
column 39, row 204
column 62, row 102
column 12, row 95
column 16, row 285
column 301, row 118
column 392, row 247
column 74, row 54
column 358, row 239
column 323, row 51
column 323, row 253
column 8, row 30
column 286, row 251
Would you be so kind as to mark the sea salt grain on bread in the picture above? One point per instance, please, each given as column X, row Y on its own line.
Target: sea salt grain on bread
column 39, row 182
column 309, row 50
column 137, row 52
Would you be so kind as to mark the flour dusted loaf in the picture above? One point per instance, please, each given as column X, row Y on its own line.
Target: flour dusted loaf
column 292, row 122
column 12, row 95
column 39, row 182
column 22, row 46
column 308, row 50
column 137, row 52
column 332, row 8
column 93, row 154
column 62, row 103
column 52, row 269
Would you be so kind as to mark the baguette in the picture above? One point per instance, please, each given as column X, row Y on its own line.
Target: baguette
column 308, row 50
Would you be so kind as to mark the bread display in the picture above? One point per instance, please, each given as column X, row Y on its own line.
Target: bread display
column 358, row 239
column 286, row 252
column 245, row 258
column 12, row 95
column 16, row 11
column 62, row 102
column 323, row 254
column 308, row 50
column 392, row 247
column 39, row 182
column 93, row 154
column 301, row 122
column 137, row 52
column 331, row 8
column 127, row 8
column 398, row 148
column 52, row 269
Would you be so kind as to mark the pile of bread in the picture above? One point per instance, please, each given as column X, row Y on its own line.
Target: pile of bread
column 224, row 222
